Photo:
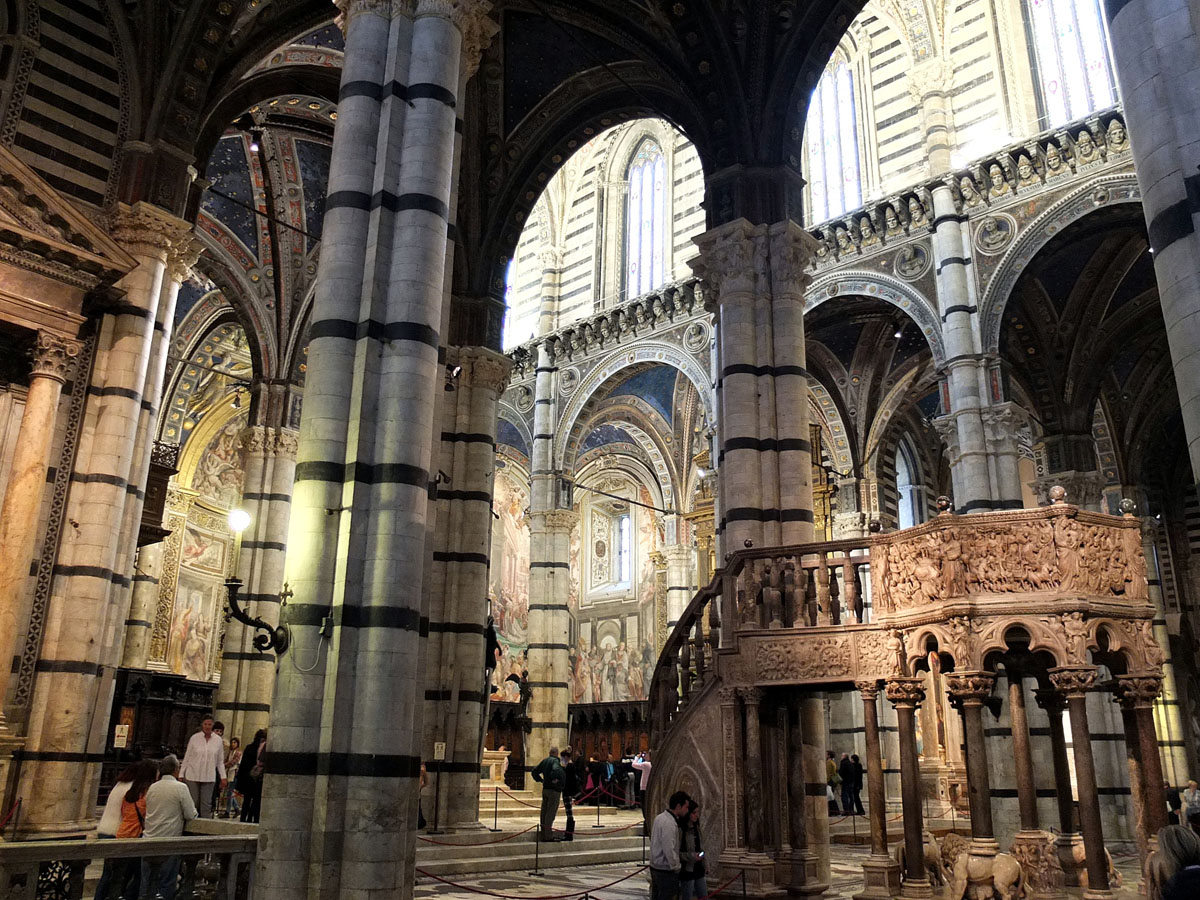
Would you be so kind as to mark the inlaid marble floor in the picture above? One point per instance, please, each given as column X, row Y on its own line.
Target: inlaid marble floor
column 569, row 884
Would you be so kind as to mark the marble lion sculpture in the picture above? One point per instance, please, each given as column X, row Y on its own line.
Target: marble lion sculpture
column 933, row 858
column 1079, row 859
column 987, row 877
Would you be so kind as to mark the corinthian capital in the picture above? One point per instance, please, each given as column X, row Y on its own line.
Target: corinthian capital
column 146, row 230
column 482, row 368
column 54, row 357
column 477, row 29
column 792, row 252
column 348, row 9
column 182, row 256
column 731, row 259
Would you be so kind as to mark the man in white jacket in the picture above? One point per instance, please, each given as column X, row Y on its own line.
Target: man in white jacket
column 664, row 848
column 204, row 758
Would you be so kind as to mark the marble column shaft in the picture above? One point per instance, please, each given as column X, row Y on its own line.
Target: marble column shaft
column 1156, row 49
column 1022, row 753
column 906, row 694
column 89, row 596
column 53, row 364
column 971, row 689
column 681, row 580
column 143, row 605
column 881, row 876
column 456, row 688
column 243, row 699
column 339, row 819
column 1074, row 682
column 752, row 700
column 1137, row 694
column 815, row 732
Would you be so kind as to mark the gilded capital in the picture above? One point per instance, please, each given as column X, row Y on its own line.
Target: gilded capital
column 54, row 357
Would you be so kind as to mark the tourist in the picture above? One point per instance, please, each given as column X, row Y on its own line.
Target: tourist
column 1191, row 801
column 1174, row 803
column 169, row 806
column 204, row 763
column 550, row 775
column 228, row 807
column 219, row 784
column 664, row 848
column 571, row 789
column 1173, row 871
column 832, row 780
column 692, row 883
column 642, row 763
column 857, row 772
column 846, row 777
column 115, row 880
column 422, row 783
column 250, row 776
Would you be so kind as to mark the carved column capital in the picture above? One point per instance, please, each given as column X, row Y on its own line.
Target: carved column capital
column 482, row 367
column 146, row 230
column 792, row 252
column 267, row 441
column 54, row 357
column 731, row 259
column 477, row 29
column 970, row 688
column 728, row 696
column 1001, row 421
column 181, row 256
column 559, row 519
column 1074, row 681
column 904, row 691
column 947, row 429
column 1084, row 489
column 1138, row 689
column 751, row 696
column 868, row 689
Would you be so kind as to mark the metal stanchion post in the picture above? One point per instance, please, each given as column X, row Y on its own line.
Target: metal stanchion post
column 598, row 799
column 495, row 809
column 537, row 846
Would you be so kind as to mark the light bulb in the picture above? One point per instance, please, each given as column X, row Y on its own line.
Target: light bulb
column 239, row 520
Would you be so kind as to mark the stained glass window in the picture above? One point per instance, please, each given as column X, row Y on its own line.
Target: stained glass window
column 1074, row 67
column 646, row 220
column 833, row 171
column 624, row 548
column 508, row 338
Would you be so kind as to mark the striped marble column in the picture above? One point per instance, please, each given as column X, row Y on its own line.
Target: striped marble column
column 341, row 794
column 978, row 482
column 1156, row 47
column 731, row 262
column 456, row 686
column 929, row 84
column 243, row 699
column 90, row 593
column 681, row 580
column 139, row 624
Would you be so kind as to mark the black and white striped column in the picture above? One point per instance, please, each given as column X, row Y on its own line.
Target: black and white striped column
column 341, row 791
column 60, row 765
column 243, row 699
column 1156, row 47
column 456, row 687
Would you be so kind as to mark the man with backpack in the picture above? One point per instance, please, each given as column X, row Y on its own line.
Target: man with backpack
column 550, row 775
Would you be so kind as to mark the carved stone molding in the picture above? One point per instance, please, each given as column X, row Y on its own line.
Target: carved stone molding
column 904, row 691
column 482, row 367
column 145, row 230
column 1139, row 689
column 970, row 687
column 792, row 251
column 731, row 259
column 1037, row 854
column 268, row 441
column 54, row 357
column 1074, row 681
column 181, row 257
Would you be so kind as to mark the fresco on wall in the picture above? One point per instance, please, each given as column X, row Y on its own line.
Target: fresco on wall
column 199, row 593
column 218, row 476
column 608, row 671
column 508, row 588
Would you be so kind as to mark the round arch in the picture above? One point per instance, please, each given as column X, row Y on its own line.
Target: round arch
column 903, row 296
column 617, row 361
column 658, row 464
column 1105, row 191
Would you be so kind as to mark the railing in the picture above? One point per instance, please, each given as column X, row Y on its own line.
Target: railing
column 636, row 318
column 212, row 866
column 798, row 586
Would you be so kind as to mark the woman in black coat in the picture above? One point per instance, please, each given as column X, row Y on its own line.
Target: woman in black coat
column 248, row 784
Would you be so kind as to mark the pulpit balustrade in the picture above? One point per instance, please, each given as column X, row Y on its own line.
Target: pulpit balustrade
column 1055, row 594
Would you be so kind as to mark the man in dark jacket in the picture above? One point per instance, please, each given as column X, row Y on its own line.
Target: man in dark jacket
column 550, row 775
column 846, row 773
column 571, row 789
column 857, row 767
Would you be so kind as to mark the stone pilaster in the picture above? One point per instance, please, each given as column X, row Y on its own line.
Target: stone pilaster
column 243, row 699
column 681, row 580
column 929, row 84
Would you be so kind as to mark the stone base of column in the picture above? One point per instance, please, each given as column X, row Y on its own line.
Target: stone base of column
column 759, row 870
column 9, row 744
column 1089, row 894
column 804, row 867
column 881, row 879
column 916, row 889
column 1071, row 857
column 1037, row 853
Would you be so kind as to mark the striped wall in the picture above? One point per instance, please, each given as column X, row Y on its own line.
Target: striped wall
column 899, row 131
column 581, row 214
column 70, row 120
column 977, row 94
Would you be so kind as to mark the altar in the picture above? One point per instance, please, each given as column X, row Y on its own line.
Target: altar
column 496, row 763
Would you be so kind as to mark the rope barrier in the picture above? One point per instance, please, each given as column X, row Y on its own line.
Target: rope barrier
column 722, row 887
column 519, row 800
column 610, row 831
column 507, row 837
column 12, row 809
column 582, row 893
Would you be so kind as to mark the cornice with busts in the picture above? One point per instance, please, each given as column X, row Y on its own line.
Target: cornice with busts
column 54, row 357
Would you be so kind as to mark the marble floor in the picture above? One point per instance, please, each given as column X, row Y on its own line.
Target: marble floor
column 597, row 882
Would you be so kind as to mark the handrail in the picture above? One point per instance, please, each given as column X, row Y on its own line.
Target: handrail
column 25, row 852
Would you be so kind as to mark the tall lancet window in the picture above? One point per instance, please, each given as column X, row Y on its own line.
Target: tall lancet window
column 1073, row 64
column 834, row 178
column 646, row 220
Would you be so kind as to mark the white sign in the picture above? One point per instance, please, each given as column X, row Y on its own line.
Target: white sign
column 439, row 750
column 121, row 736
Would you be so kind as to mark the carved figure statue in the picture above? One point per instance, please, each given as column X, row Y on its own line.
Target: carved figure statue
column 867, row 231
column 928, row 577
column 954, row 573
column 1150, row 648
column 1116, row 136
column 994, row 233
column 1066, row 549
column 1026, row 173
column 970, row 195
column 910, row 261
column 916, row 212
column 1085, row 147
column 843, row 239
column 1004, row 872
column 891, row 222
column 1054, row 162
column 1076, row 636
column 772, row 597
column 932, row 858
column 999, row 184
column 952, row 845
column 895, row 646
column 1079, row 862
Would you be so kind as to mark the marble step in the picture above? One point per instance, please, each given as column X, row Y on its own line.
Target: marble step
column 518, row 854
